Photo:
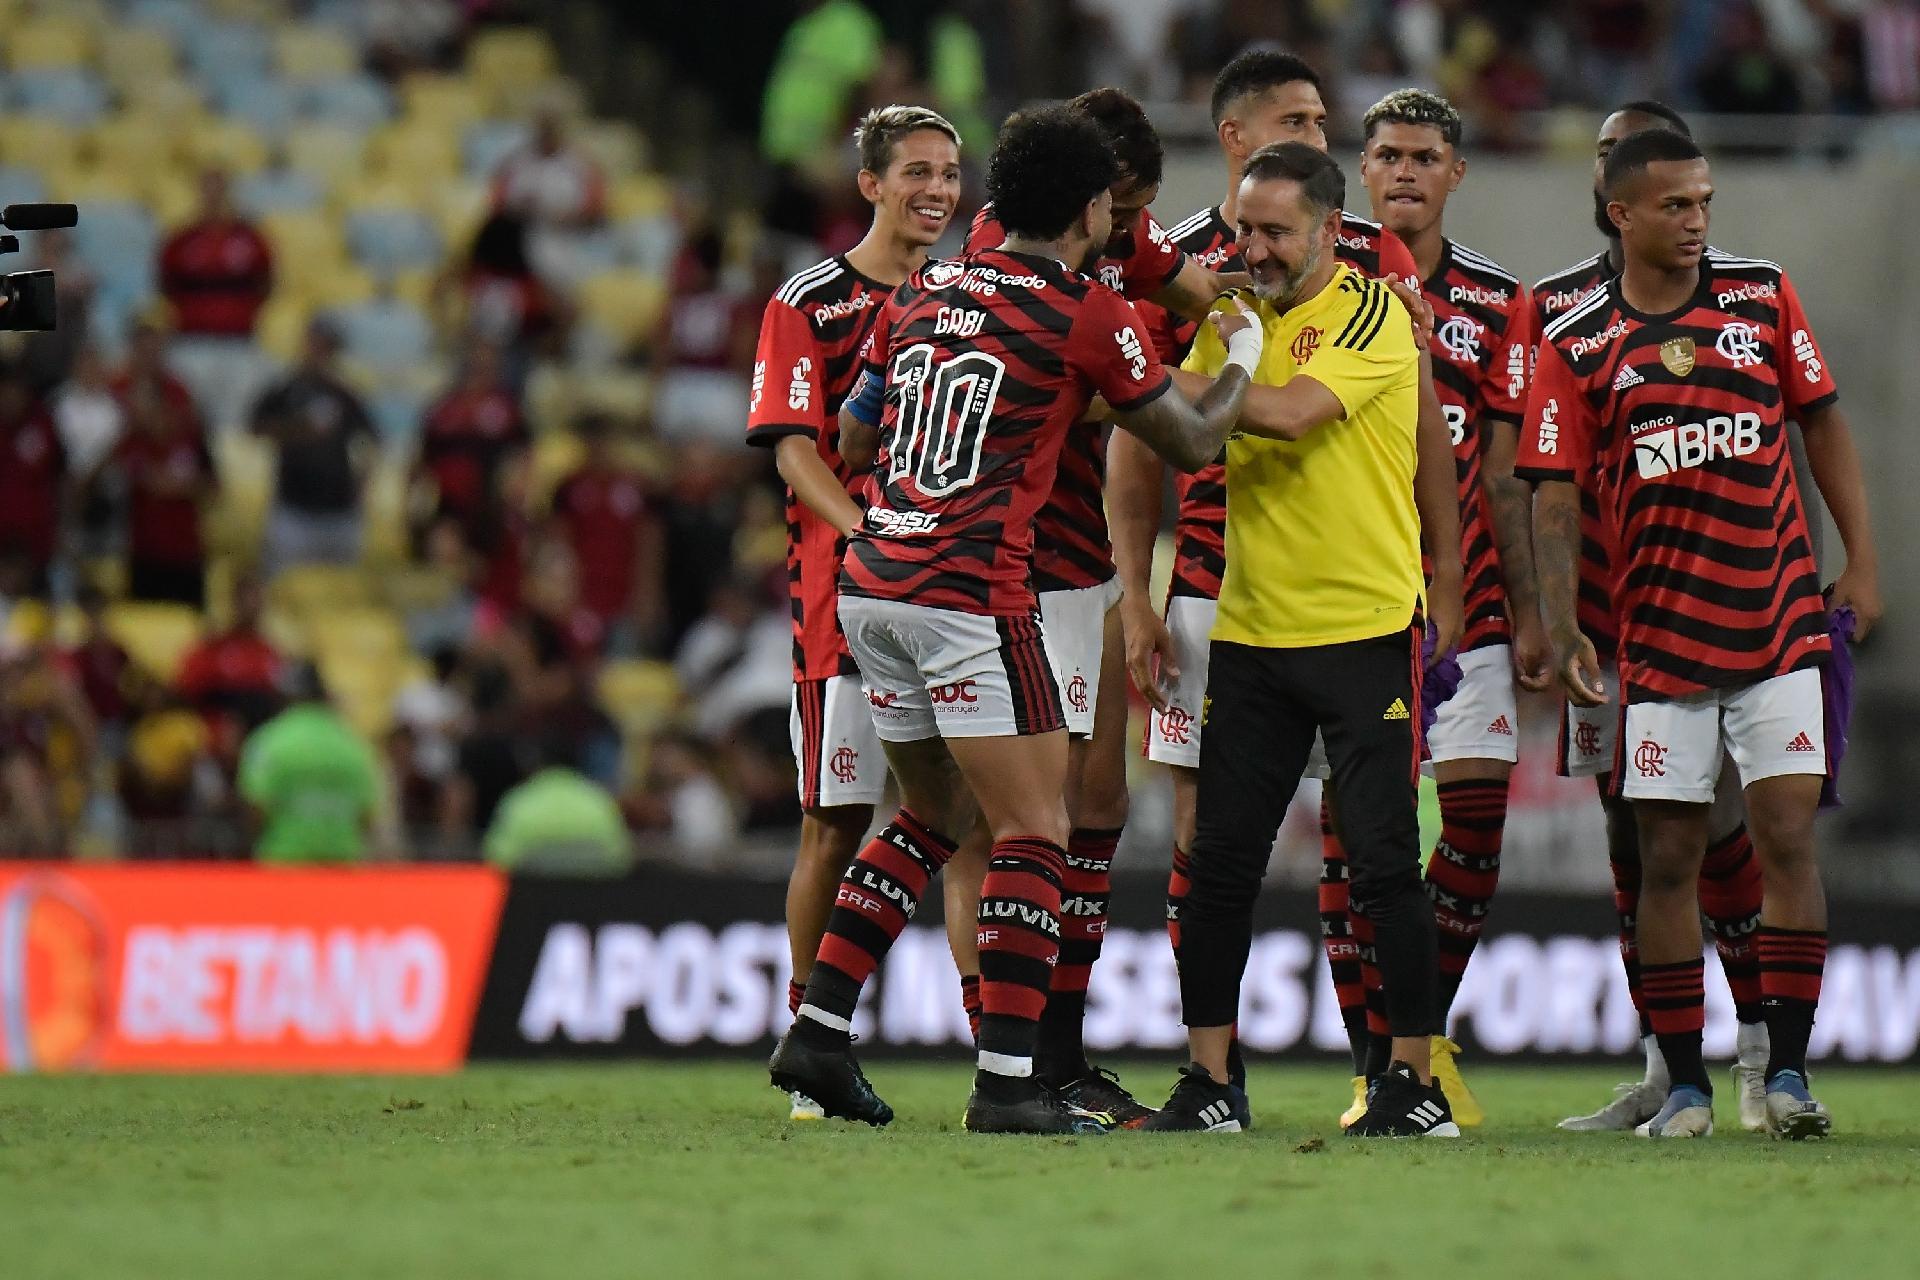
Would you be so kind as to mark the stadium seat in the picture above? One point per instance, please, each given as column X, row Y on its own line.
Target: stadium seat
column 20, row 185
column 71, row 94
column 174, row 99
column 443, row 102
column 365, row 631
column 173, row 196
column 279, row 191
column 90, row 184
column 459, row 207
column 35, row 142
column 330, row 153
column 157, row 636
column 175, row 17
column 624, row 393
column 226, row 144
column 357, row 102
column 306, row 245
column 396, row 412
column 309, row 54
column 626, row 305
column 226, row 50
column 645, row 195
column 641, row 696
column 615, row 145
column 364, row 693
column 487, row 142
column 245, row 463
column 341, row 287
column 131, row 54
column 556, row 454
column 267, row 106
column 647, row 242
column 307, row 591
column 421, row 155
column 510, row 62
column 48, row 43
column 281, row 328
column 224, row 377
column 385, row 334
column 388, row 240
column 134, row 145
column 117, row 238
column 381, row 189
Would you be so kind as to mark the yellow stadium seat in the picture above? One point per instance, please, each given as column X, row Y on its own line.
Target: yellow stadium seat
column 173, row 196
column 36, row 142
column 363, row 691
column 413, row 287
column 417, row 153
column 552, row 392
column 172, row 99
column 644, row 195
column 91, row 184
column 94, row 15
column 307, row 247
column 555, row 456
column 642, row 696
column 342, row 286
column 225, row 144
column 364, row 632
column 510, row 59
column 327, row 153
column 281, row 329
column 624, row 393
column 265, row 12
column 449, row 103
column 627, row 304
column 386, row 509
column 30, row 622
column 130, row 55
column 310, row 590
column 245, row 463
column 131, row 144
column 48, row 44
column 615, row 145
column 383, row 190
column 459, row 207
column 157, row 636
column 314, row 53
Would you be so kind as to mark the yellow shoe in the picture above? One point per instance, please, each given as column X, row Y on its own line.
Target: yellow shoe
column 1359, row 1107
column 1467, row 1111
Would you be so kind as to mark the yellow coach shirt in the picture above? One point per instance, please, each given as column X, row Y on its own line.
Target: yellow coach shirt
column 1323, row 538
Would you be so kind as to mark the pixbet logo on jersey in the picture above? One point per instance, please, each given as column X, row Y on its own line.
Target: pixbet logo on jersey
column 1694, row 444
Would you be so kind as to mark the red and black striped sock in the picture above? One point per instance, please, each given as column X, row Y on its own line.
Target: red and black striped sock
column 1337, row 939
column 1379, row 1044
column 1019, row 936
column 1792, row 962
column 1179, row 881
column 1463, row 873
column 970, row 1001
column 796, row 994
column 1626, row 906
column 1084, row 893
column 1676, row 997
column 1730, row 893
column 877, row 897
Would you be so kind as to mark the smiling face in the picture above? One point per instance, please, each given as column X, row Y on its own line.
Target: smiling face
column 1129, row 204
column 920, row 188
column 1281, row 238
column 1410, row 170
column 1661, row 215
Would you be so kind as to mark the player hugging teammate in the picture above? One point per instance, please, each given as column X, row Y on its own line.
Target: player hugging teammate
column 968, row 616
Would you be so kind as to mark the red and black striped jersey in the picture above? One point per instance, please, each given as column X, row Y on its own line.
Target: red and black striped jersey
column 1071, row 548
column 988, row 361
column 1553, row 297
column 1684, row 416
column 1200, row 529
column 1480, row 350
column 810, row 339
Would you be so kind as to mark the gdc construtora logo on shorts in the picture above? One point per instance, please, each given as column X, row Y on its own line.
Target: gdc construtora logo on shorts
column 241, row 968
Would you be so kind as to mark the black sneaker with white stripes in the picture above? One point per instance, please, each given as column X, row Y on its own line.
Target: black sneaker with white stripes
column 1399, row 1106
column 1201, row 1104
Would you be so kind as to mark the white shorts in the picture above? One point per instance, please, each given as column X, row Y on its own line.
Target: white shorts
column 834, row 744
column 1173, row 735
column 1588, row 734
column 941, row 673
column 1672, row 748
column 1481, row 720
column 1075, row 623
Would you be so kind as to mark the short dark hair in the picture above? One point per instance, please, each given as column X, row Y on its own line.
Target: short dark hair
column 1256, row 71
column 882, row 128
column 1658, row 110
column 1046, row 165
column 1318, row 173
column 1633, row 153
column 1415, row 107
column 1135, row 142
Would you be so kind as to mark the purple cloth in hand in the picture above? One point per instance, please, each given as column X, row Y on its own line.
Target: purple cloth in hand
column 1836, row 689
column 1442, row 680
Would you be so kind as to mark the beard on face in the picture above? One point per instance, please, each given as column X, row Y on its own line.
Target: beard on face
column 1600, row 218
column 1286, row 288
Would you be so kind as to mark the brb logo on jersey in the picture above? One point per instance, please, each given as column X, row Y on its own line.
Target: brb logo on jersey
column 1305, row 343
column 1738, row 344
column 1692, row 444
column 1132, row 352
column 1461, row 337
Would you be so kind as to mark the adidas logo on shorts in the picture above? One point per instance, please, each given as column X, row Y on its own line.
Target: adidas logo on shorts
column 1626, row 378
column 1801, row 742
column 1501, row 725
column 1398, row 711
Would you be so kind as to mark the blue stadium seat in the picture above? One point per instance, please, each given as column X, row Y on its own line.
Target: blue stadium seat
column 267, row 105
column 117, row 238
column 396, row 413
column 647, row 242
column 68, row 94
column 20, row 186
column 279, row 191
column 222, row 52
column 359, row 102
column 385, row 334
column 389, row 240
column 487, row 143
column 176, row 17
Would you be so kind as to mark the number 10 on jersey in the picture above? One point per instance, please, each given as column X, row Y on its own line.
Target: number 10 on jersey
column 942, row 422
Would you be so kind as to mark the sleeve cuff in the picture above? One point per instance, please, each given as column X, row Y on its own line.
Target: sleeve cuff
column 1145, row 398
column 1815, row 406
column 769, row 433
column 1543, row 475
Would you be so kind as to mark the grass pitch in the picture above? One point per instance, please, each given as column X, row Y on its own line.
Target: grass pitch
column 691, row 1171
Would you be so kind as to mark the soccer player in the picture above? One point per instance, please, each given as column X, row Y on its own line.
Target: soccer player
column 1073, row 576
column 1316, row 634
column 1668, row 391
column 1260, row 98
column 1730, row 882
column 1411, row 163
column 810, row 341
column 985, row 364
